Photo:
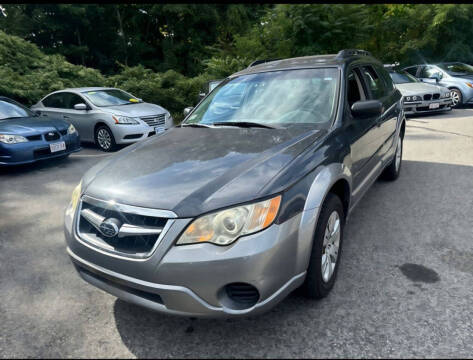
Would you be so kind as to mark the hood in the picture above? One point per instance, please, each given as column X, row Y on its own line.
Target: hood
column 192, row 171
column 419, row 88
column 31, row 125
column 135, row 110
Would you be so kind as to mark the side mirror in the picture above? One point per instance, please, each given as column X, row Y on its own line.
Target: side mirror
column 368, row 108
column 436, row 77
column 80, row 106
column 430, row 80
column 187, row 110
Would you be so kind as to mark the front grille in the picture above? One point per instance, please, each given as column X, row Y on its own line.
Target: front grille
column 427, row 96
column 156, row 120
column 436, row 96
column 241, row 293
column 46, row 151
column 51, row 136
column 34, row 137
column 141, row 241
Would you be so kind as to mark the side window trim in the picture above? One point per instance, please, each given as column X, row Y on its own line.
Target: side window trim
column 51, row 96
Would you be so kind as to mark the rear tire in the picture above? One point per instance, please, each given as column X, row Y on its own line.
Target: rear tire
column 326, row 249
column 104, row 138
column 392, row 171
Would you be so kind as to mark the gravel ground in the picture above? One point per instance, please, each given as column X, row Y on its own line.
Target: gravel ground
column 404, row 288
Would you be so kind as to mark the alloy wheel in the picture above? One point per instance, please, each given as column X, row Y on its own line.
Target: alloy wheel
column 104, row 139
column 398, row 154
column 330, row 246
column 455, row 98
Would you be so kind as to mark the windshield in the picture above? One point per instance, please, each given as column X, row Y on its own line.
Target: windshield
column 10, row 109
column 402, row 77
column 110, row 97
column 277, row 98
column 457, row 69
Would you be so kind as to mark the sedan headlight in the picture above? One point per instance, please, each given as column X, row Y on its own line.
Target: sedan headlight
column 74, row 199
column 125, row 120
column 71, row 129
column 12, row 139
column 226, row 226
column 415, row 98
column 169, row 117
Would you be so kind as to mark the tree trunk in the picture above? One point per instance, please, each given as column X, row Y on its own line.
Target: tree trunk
column 122, row 34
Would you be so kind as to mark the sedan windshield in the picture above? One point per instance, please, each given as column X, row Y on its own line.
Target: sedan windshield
column 276, row 98
column 110, row 97
column 10, row 109
column 457, row 69
column 402, row 77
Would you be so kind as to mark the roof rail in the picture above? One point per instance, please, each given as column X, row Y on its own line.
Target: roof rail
column 351, row 52
column 257, row 62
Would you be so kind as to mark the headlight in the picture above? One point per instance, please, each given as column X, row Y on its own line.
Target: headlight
column 415, row 98
column 169, row 117
column 226, row 226
column 71, row 129
column 408, row 98
column 12, row 139
column 124, row 120
column 74, row 199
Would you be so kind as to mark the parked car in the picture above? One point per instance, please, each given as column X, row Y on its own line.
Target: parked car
column 420, row 97
column 26, row 138
column 227, row 213
column 456, row 76
column 106, row 116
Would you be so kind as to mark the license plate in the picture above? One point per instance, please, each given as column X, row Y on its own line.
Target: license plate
column 434, row 106
column 158, row 130
column 57, row 146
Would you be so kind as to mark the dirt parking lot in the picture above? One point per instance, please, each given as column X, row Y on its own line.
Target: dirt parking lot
column 404, row 289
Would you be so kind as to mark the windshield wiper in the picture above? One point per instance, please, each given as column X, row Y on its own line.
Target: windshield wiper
column 195, row 125
column 246, row 124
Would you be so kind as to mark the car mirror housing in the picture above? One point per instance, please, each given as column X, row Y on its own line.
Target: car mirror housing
column 368, row 108
column 80, row 106
column 187, row 110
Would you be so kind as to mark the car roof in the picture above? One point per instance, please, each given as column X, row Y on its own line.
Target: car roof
column 304, row 62
column 84, row 89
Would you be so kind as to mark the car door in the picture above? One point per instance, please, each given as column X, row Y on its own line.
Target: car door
column 381, row 88
column 53, row 105
column 81, row 119
column 361, row 133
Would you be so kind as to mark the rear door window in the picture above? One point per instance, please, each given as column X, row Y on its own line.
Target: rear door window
column 57, row 100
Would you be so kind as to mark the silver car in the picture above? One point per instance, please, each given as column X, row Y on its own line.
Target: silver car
column 420, row 97
column 456, row 76
column 106, row 116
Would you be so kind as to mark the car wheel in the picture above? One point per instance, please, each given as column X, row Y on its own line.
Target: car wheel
column 392, row 171
column 457, row 98
column 104, row 138
column 326, row 249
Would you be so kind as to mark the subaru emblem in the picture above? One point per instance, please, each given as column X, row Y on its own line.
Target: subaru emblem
column 109, row 227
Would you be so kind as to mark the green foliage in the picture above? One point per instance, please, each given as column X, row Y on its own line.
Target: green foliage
column 27, row 74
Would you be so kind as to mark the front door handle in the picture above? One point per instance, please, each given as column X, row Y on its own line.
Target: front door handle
column 66, row 117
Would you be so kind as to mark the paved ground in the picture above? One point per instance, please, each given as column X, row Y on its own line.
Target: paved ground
column 405, row 286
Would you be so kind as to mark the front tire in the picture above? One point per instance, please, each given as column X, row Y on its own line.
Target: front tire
column 392, row 171
column 326, row 249
column 104, row 138
column 457, row 98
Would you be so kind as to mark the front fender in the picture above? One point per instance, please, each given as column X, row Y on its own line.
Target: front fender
column 324, row 180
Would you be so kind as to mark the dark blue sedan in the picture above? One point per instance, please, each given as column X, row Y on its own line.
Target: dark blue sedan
column 26, row 138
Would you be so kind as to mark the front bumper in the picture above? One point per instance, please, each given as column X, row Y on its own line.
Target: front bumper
column 189, row 280
column 127, row 134
column 31, row 151
column 423, row 106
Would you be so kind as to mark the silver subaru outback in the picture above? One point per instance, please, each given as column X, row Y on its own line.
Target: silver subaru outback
column 247, row 199
column 106, row 116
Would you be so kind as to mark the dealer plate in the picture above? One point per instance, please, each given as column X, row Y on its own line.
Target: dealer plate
column 57, row 146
